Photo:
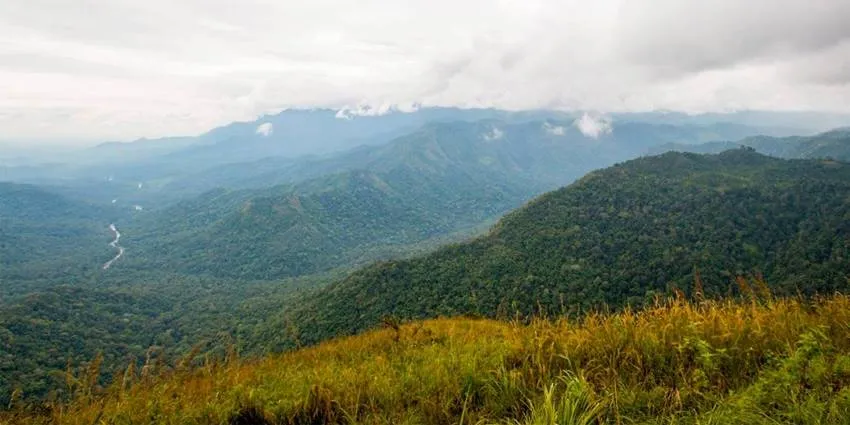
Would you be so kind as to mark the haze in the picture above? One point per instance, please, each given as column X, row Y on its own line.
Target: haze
column 115, row 69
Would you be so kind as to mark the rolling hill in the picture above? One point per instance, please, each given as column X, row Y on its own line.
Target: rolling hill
column 438, row 180
column 45, row 235
column 834, row 144
column 113, row 170
column 279, row 149
column 768, row 362
column 622, row 235
column 226, row 263
column 223, row 262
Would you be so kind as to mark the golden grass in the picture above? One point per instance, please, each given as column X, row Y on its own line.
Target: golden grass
column 712, row 362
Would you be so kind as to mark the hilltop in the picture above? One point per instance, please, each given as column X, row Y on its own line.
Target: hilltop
column 346, row 210
column 763, row 361
column 619, row 236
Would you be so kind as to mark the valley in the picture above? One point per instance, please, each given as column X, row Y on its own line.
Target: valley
column 478, row 213
column 549, row 212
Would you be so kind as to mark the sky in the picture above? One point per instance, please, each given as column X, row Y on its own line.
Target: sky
column 119, row 70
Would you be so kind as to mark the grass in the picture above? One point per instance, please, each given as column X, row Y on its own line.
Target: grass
column 714, row 362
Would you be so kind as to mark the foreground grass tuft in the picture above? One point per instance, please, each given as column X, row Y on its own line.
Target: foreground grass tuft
column 755, row 362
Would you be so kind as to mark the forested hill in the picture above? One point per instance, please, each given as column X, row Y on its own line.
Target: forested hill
column 43, row 234
column 834, row 144
column 441, row 179
column 620, row 236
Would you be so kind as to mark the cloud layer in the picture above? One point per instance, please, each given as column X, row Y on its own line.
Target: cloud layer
column 592, row 125
column 265, row 129
column 124, row 69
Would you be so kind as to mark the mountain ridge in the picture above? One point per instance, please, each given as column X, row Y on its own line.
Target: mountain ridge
column 589, row 244
column 834, row 144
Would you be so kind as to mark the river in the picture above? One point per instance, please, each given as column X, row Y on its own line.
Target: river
column 115, row 245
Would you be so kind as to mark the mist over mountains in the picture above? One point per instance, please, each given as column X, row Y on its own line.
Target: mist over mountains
column 111, row 170
column 537, row 212
column 256, row 228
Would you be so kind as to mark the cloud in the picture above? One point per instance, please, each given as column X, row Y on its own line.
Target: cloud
column 365, row 110
column 675, row 37
column 125, row 69
column 494, row 134
column 265, row 129
column 555, row 130
column 593, row 125
column 830, row 67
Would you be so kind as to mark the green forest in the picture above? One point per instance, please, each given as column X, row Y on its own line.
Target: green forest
column 548, row 212
column 620, row 236
column 410, row 231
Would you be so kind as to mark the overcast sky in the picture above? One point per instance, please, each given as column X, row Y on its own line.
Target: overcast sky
column 120, row 69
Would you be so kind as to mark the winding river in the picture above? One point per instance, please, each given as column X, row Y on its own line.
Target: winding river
column 115, row 245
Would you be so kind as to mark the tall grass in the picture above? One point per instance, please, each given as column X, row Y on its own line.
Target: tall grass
column 757, row 361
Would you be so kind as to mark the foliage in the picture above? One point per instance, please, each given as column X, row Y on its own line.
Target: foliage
column 438, row 180
column 211, row 279
column 45, row 235
column 759, row 361
column 122, row 317
column 618, row 237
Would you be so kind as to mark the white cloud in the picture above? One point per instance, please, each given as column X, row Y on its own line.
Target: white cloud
column 555, row 130
column 494, row 134
column 366, row 110
column 265, row 129
column 125, row 69
column 593, row 125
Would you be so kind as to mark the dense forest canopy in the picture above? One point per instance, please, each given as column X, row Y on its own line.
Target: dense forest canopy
column 617, row 237
column 241, row 265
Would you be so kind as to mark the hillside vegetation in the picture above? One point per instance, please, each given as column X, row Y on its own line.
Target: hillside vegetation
column 619, row 236
column 336, row 211
column 834, row 144
column 241, row 266
column 440, row 179
column 45, row 235
column 758, row 361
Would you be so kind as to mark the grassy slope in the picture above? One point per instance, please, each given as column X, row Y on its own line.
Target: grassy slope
column 763, row 361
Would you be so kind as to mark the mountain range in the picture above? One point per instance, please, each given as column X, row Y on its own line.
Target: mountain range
column 156, row 173
column 232, row 240
column 620, row 236
column 833, row 144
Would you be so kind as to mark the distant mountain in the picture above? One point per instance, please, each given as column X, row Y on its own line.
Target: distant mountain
column 772, row 123
column 116, row 170
column 293, row 133
column 336, row 210
column 438, row 180
column 290, row 133
column 620, row 236
column 235, row 155
column 625, row 140
column 834, row 144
